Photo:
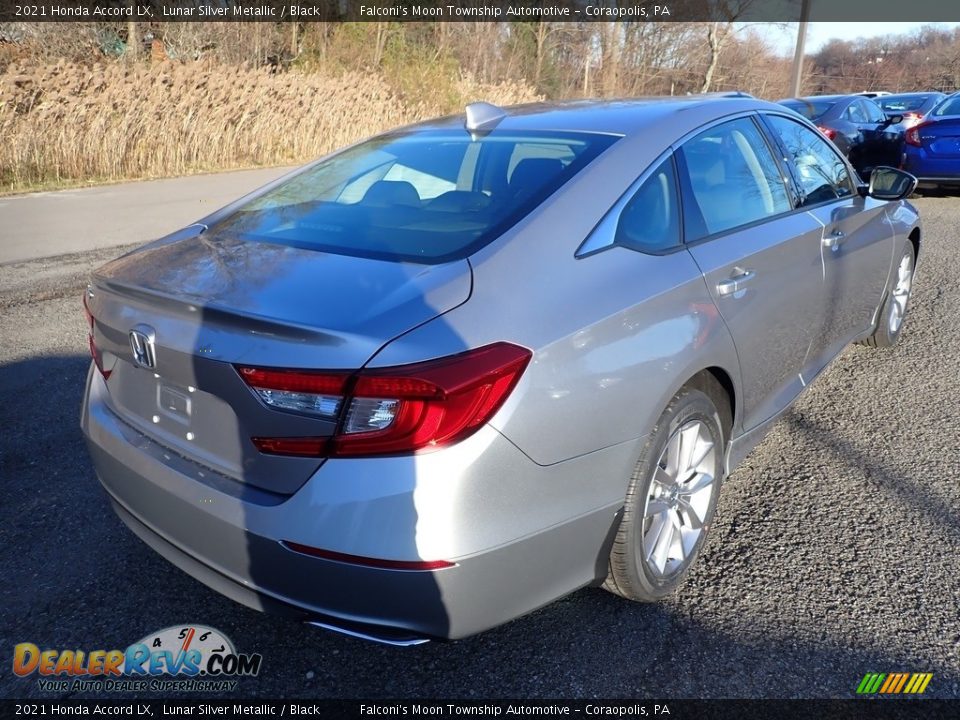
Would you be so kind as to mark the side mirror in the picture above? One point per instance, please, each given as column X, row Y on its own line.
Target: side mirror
column 894, row 120
column 887, row 183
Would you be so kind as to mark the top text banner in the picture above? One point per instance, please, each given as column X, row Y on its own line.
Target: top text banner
column 476, row 10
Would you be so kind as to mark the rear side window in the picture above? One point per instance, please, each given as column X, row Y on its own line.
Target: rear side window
column 810, row 109
column 650, row 221
column 732, row 179
column 874, row 113
column 855, row 112
column 429, row 196
column 950, row 106
column 819, row 170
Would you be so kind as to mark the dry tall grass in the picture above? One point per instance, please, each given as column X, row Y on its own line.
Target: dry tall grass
column 66, row 123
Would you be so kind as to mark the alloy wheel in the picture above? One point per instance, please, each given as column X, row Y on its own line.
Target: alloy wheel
column 679, row 499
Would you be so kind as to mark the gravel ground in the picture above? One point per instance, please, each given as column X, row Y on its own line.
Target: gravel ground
column 834, row 552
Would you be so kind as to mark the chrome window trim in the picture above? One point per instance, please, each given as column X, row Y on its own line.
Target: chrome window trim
column 603, row 235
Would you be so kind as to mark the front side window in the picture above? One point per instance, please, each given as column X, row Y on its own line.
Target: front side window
column 820, row 171
column 732, row 179
column 650, row 221
column 428, row 196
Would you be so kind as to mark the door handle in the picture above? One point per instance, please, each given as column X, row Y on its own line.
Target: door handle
column 734, row 284
column 834, row 239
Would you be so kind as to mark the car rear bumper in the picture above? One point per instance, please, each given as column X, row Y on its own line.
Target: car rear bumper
column 931, row 171
column 230, row 536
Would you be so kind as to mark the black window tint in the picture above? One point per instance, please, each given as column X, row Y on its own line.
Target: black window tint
column 426, row 196
column 732, row 179
column 821, row 172
column 902, row 103
column 650, row 221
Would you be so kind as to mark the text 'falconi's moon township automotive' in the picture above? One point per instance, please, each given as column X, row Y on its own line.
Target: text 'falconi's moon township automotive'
column 443, row 377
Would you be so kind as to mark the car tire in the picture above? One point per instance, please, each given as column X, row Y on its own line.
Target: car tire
column 684, row 453
column 895, row 303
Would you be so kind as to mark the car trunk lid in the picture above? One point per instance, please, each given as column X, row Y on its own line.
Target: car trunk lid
column 208, row 304
column 941, row 138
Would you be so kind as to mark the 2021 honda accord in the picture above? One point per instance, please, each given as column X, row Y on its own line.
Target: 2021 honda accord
column 448, row 375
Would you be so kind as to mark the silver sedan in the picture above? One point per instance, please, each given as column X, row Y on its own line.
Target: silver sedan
column 448, row 375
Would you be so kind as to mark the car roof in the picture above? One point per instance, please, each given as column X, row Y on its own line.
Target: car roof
column 619, row 117
column 915, row 93
column 834, row 98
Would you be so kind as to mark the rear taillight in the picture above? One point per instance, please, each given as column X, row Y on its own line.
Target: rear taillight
column 912, row 136
column 391, row 411
column 94, row 351
column 86, row 310
column 830, row 133
column 911, row 118
column 297, row 390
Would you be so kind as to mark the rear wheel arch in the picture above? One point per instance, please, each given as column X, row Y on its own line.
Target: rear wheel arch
column 717, row 383
column 914, row 237
column 669, row 504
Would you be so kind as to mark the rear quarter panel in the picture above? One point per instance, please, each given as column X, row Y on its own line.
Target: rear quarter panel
column 614, row 334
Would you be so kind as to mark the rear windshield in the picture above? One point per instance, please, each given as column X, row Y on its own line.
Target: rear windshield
column 425, row 197
column 899, row 103
column 950, row 106
column 810, row 109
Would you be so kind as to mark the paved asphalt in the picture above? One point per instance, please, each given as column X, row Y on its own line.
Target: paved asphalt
column 65, row 221
column 835, row 552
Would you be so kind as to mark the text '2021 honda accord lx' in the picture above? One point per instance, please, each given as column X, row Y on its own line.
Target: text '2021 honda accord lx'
column 443, row 377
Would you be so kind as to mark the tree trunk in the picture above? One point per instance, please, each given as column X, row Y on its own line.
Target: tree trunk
column 541, row 49
column 715, row 41
column 610, row 59
column 132, row 50
column 380, row 44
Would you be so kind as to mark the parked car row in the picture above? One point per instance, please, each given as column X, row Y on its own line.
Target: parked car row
column 857, row 126
column 917, row 131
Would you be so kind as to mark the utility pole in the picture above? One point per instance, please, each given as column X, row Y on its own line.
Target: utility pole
column 797, row 75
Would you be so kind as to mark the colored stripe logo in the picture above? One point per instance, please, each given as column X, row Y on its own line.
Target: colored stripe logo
column 894, row 683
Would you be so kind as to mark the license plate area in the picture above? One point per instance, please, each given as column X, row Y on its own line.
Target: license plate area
column 174, row 403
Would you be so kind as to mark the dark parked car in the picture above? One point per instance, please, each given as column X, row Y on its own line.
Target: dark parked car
column 931, row 150
column 914, row 107
column 857, row 126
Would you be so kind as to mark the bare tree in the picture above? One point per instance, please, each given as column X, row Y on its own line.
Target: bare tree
column 133, row 37
column 717, row 35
